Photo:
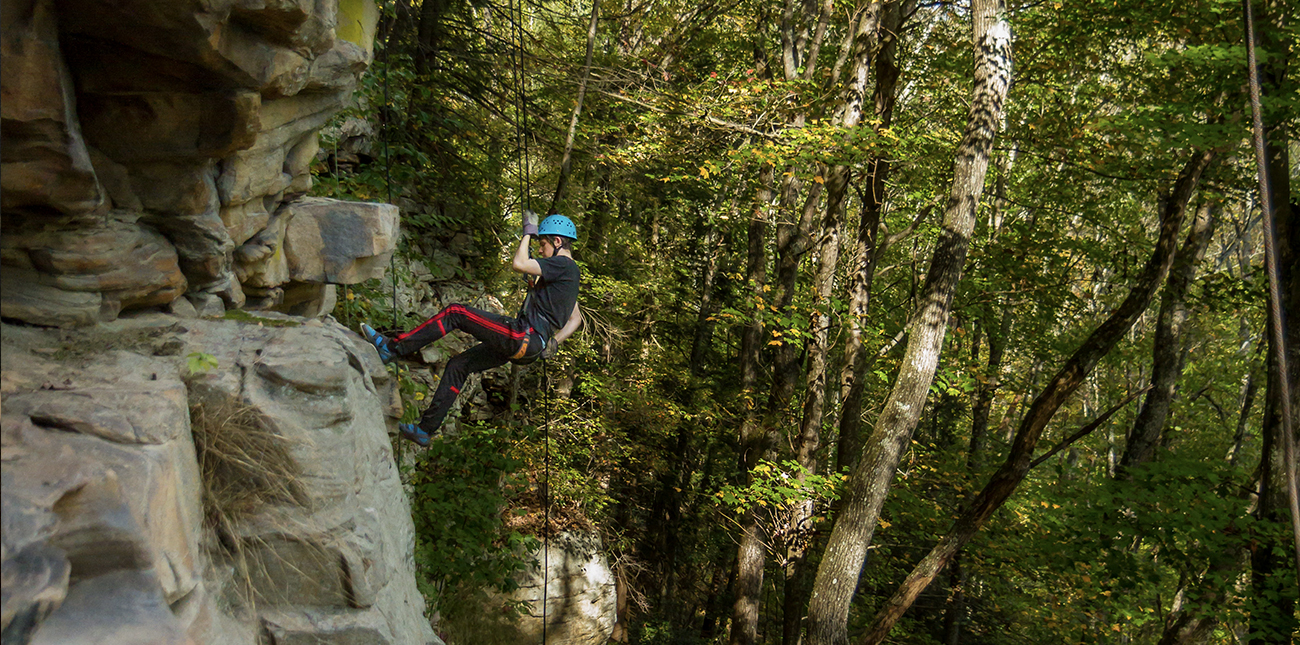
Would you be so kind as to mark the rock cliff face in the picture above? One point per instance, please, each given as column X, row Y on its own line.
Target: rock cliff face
column 174, row 480
column 160, row 149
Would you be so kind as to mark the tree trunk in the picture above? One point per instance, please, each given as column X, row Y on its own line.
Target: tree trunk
column 703, row 324
column 1278, row 487
column 753, row 439
column 1247, row 399
column 985, row 392
column 1169, row 348
column 828, row 243
column 429, row 35
column 885, row 22
column 799, row 48
column 956, row 603
column 566, row 162
column 1045, row 405
column 869, row 482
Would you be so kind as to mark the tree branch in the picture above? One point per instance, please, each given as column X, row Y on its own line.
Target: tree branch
column 1087, row 430
column 739, row 127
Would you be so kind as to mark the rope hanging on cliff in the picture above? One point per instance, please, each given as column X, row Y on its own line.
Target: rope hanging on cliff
column 388, row 160
column 388, row 184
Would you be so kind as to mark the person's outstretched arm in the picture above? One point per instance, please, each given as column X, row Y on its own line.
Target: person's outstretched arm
column 575, row 321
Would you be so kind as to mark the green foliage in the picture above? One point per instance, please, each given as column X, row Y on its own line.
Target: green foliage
column 200, row 362
column 776, row 494
column 686, row 105
column 458, row 496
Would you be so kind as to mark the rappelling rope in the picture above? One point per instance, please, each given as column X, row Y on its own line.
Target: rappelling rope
column 516, row 59
column 388, row 163
column 546, row 493
column 516, row 9
column 388, row 183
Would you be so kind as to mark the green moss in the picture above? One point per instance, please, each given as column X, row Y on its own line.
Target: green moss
column 239, row 315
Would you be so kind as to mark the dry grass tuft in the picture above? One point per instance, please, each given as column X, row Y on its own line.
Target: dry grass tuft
column 245, row 464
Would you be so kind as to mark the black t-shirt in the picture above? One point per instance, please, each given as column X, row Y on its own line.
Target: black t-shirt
column 553, row 296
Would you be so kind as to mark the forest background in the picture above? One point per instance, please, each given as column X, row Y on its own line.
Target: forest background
column 964, row 303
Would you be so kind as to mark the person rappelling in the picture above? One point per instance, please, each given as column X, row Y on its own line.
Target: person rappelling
column 548, row 316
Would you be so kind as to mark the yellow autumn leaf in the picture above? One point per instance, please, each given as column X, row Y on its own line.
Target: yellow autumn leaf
column 819, row 179
column 704, row 172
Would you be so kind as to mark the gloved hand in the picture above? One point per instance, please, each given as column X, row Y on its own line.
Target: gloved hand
column 552, row 348
column 530, row 223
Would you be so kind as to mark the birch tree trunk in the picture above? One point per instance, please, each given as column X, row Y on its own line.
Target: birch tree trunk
column 828, row 246
column 869, row 482
column 889, row 19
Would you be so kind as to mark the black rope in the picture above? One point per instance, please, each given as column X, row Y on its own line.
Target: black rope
column 521, row 108
column 516, row 10
column 1277, row 331
column 546, row 493
column 388, row 161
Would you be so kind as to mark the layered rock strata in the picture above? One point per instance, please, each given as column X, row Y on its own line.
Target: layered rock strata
column 156, row 149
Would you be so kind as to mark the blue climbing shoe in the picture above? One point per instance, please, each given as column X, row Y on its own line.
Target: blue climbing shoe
column 414, row 433
column 386, row 353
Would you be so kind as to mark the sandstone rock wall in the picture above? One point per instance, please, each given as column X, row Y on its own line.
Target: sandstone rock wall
column 252, row 501
column 160, row 149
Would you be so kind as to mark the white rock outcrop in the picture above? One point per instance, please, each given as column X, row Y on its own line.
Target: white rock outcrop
column 580, row 592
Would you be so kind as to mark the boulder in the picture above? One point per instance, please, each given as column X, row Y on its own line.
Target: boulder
column 23, row 296
column 580, row 592
column 325, row 627
column 357, row 20
column 206, row 305
column 117, row 607
column 198, row 117
column 343, row 546
column 308, row 299
column 35, row 584
column 203, row 247
column 168, row 126
column 260, row 262
column 339, row 242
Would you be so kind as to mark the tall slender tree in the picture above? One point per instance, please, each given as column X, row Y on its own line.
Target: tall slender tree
column 869, row 482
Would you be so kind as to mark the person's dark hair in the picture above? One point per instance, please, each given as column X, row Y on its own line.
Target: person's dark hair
column 561, row 242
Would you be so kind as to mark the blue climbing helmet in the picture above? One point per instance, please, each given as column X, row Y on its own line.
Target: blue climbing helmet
column 558, row 225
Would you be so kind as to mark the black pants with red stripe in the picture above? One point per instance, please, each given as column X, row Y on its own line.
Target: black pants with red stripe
column 500, row 338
